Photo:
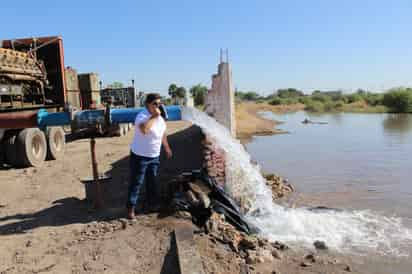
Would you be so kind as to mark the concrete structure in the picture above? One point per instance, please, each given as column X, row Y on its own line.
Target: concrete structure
column 220, row 100
column 72, row 88
column 89, row 90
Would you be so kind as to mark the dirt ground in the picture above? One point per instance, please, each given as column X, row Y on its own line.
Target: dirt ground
column 47, row 226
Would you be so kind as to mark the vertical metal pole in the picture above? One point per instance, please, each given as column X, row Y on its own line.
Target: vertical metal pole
column 98, row 203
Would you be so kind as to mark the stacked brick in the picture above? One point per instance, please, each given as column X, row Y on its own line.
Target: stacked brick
column 214, row 161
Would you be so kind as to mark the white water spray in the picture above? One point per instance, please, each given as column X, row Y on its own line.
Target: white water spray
column 343, row 231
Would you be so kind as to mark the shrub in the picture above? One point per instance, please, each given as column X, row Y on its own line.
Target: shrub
column 314, row 106
column 328, row 106
column 352, row 98
column 289, row 92
column 373, row 99
column 339, row 104
column 290, row 101
column 275, row 101
column 321, row 98
column 304, row 100
column 398, row 100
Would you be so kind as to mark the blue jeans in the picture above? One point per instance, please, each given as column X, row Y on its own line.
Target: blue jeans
column 142, row 168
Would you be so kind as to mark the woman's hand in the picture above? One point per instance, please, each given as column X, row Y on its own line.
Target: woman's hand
column 166, row 145
column 156, row 113
column 169, row 153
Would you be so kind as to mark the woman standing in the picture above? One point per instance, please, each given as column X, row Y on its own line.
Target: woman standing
column 149, row 135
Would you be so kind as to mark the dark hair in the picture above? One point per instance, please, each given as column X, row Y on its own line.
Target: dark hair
column 151, row 97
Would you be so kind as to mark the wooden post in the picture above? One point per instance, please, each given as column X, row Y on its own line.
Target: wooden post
column 98, row 203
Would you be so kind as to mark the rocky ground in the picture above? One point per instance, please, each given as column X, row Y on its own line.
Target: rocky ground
column 46, row 226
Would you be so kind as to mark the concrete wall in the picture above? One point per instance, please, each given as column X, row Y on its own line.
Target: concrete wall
column 220, row 100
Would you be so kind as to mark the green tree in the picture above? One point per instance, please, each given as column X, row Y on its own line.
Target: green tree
column 289, row 92
column 175, row 91
column 248, row 96
column 172, row 90
column 199, row 93
column 180, row 92
column 251, row 96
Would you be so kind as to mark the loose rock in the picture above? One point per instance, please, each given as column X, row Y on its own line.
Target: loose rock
column 305, row 264
column 276, row 254
column 279, row 246
column 348, row 268
column 248, row 242
column 311, row 257
column 320, row 245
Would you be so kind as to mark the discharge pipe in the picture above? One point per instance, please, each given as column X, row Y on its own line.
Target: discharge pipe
column 82, row 119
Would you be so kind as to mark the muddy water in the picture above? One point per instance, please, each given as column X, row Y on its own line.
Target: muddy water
column 355, row 161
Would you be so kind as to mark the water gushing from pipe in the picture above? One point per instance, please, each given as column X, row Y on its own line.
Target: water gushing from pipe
column 343, row 231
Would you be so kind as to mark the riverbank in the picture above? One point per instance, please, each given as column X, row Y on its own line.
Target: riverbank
column 250, row 123
column 333, row 107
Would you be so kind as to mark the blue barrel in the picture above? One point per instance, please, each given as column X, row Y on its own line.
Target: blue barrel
column 50, row 119
column 174, row 113
column 124, row 115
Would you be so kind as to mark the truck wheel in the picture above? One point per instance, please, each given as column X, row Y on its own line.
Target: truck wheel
column 125, row 129
column 31, row 147
column 56, row 142
column 2, row 156
column 119, row 130
column 10, row 156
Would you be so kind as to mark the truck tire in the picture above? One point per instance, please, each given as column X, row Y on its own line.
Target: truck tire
column 31, row 147
column 125, row 129
column 2, row 156
column 10, row 153
column 119, row 130
column 56, row 142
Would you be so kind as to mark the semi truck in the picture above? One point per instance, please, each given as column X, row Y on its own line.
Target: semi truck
column 35, row 103
column 31, row 78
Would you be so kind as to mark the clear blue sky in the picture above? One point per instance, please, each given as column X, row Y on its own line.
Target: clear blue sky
column 273, row 44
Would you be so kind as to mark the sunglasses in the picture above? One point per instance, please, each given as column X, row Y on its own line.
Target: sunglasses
column 156, row 104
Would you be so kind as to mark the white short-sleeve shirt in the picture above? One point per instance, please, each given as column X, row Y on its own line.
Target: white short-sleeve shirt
column 148, row 145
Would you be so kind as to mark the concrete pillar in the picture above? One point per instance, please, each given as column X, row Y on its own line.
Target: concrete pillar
column 220, row 100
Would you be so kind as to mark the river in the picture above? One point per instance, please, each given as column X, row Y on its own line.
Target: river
column 354, row 161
